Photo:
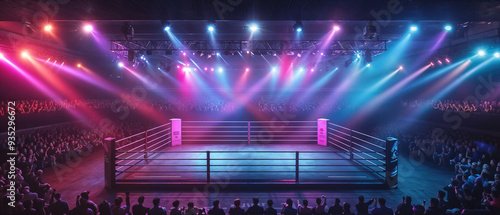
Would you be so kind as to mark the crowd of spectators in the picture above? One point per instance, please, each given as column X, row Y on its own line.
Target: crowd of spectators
column 35, row 197
column 43, row 148
column 482, row 106
column 42, row 106
column 263, row 103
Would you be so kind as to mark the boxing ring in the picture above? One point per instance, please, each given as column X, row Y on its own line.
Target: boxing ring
column 250, row 152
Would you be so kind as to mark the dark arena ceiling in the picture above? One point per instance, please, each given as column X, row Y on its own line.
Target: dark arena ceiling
column 22, row 21
column 458, row 10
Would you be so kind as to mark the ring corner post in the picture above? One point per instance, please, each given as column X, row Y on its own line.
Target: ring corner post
column 176, row 132
column 110, row 163
column 322, row 131
column 391, row 162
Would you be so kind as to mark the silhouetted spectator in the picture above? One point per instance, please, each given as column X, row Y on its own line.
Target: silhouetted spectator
column 104, row 208
column 236, row 210
column 336, row 208
column 59, row 207
column 216, row 210
column 139, row 209
column 81, row 209
column 320, row 207
column 405, row 208
column 304, row 210
column 255, row 209
column 434, row 208
column 362, row 206
column 191, row 210
column 270, row 210
column 382, row 210
column 157, row 210
column 347, row 209
column 288, row 208
column 175, row 210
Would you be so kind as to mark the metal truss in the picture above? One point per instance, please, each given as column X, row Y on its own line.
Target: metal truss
column 336, row 47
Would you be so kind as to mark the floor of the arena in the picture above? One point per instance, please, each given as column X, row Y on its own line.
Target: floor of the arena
column 421, row 180
column 253, row 163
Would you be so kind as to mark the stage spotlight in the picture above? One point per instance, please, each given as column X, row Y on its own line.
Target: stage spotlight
column 312, row 69
column 447, row 60
column 206, row 68
column 247, row 69
column 301, row 69
column 212, row 69
column 88, row 28
column 24, row 54
column 413, row 28
column 440, row 62
column 220, row 69
column 1, row 56
column 79, row 65
column 211, row 27
column 274, row 69
column 368, row 65
column 481, row 53
column 299, row 55
column 167, row 27
column 336, row 28
column 448, row 27
column 47, row 28
column 297, row 26
column 400, row 68
column 253, row 27
column 120, row 64
column 497, row 55
column 218, row 54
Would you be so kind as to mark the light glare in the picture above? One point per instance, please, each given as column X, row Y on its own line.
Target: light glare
column 88, row 28
column 253, row 27
column 47, row 27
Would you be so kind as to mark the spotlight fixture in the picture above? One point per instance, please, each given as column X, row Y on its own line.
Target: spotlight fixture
column 47, row 27
column 274, row 69
column 448, row 27
column 120, row 64
column 211, row 26
column 481, row 53
column 24, row 54
column 497, row 55
column 1, row 56
column 298, row 26
column 368, row 65
column 413, row 28
column 220, row 69
column 253, row 27
column 167, row 27
column 337, row 28
column 79, row 65
column 88, row 28
column 400, row 68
